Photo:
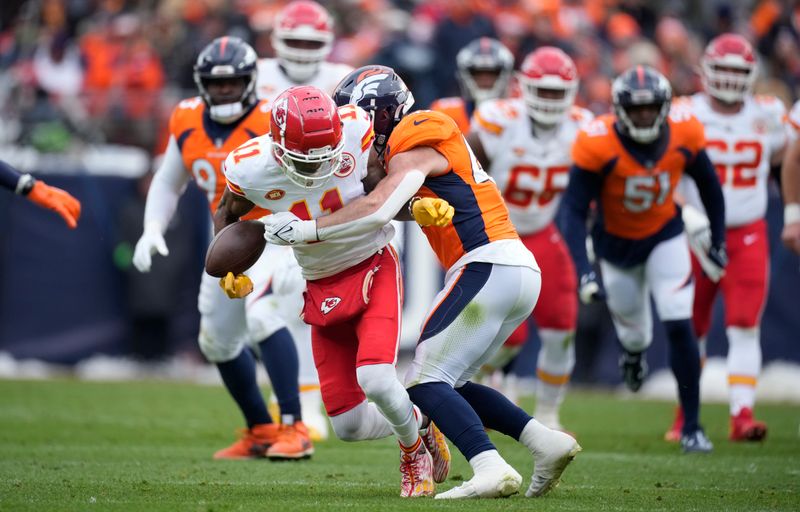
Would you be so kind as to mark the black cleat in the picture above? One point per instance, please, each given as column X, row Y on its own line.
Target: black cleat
column 634, row 370
column 696, row 442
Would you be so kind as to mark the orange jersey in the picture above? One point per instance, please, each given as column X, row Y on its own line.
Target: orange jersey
column 204, row 144
column 457, row 109
column 480, row 213
column 636, row 197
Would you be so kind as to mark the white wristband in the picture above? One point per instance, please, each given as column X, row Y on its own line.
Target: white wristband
column 791, row 213
column 25, row 184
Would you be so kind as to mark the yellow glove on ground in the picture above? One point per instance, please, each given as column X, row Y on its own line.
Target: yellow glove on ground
column 432, row 211
column 236, row 286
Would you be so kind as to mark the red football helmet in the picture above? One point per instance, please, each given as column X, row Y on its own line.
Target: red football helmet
column 549, row 82
column 729, row 68
column 302, row 38
column 306, row 134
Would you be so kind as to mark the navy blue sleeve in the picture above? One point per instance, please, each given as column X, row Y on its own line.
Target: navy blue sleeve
column 702, row 172
column 583, row 188
column 9, row 177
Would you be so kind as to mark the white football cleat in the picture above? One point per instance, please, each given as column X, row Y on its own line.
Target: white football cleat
column 554, row 450
column 499, row 483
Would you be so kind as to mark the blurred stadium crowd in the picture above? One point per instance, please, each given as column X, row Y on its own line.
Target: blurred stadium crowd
column 80, row 74
column 111, row 70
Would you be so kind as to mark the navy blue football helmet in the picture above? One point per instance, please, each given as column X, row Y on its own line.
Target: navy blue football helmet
column 382, row 93
column 226, row 58
column 638, row 87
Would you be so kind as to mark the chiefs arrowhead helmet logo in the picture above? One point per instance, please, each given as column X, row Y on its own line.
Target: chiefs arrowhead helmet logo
column 328, row 304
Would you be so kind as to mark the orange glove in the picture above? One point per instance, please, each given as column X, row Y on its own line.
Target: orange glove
column 57, row 200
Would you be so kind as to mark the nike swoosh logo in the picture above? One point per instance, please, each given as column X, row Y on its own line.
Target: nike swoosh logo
column 420, row 121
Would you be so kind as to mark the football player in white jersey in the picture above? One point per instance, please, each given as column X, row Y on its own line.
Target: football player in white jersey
column 525, row 144
column 302, row 39
column 790, row 183
column 745, row 134
column 313, row 161
column 202, row 132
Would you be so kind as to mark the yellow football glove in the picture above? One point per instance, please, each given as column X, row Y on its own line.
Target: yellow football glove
column 236, row 286
column 432, row 211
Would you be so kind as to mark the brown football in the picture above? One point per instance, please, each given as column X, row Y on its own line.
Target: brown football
column 236, row 248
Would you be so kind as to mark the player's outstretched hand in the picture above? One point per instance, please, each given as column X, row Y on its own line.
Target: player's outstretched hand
column 151, row 242
column 58, row 200
column 714, row 262
column 432, row 211
column 285, row 228
column 236, row 286
column 698, row 229
column 791, row 236
column 591, row 289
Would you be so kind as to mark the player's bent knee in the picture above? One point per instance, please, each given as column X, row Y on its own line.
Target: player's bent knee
column 378, row 381
column 346, row 426
column 215, row 350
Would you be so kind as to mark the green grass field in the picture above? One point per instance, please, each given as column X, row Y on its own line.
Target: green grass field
column 67, row 445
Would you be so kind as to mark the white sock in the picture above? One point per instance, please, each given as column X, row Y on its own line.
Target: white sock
column 744, row 366
column 380, row 384
column 554, row 367
column 534, row 436
column 487, row 461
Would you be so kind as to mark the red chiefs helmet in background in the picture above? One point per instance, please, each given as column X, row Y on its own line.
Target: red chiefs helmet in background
column 549, row 82
column 302, row 38
column 729, row 68
column 306, row 133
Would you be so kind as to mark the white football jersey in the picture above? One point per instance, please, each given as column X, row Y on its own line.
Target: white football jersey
column 740, row 146
column 272, row 80
column 253, row 172
column 532, row 170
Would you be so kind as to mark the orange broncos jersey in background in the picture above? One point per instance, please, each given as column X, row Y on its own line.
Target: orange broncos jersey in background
column 204, row 144
column 480, row 213
column 636, row 197
column 456, row 109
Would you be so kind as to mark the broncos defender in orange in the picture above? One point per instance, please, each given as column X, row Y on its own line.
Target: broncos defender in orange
column 492, row 284
column 41, row 194
column 203, row 130
column 629, row 164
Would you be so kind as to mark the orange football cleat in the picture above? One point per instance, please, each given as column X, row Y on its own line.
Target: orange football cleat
column 436, row 444
column 673, row 435
column 745, row 428
column 252, row 444
column 293, row 443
